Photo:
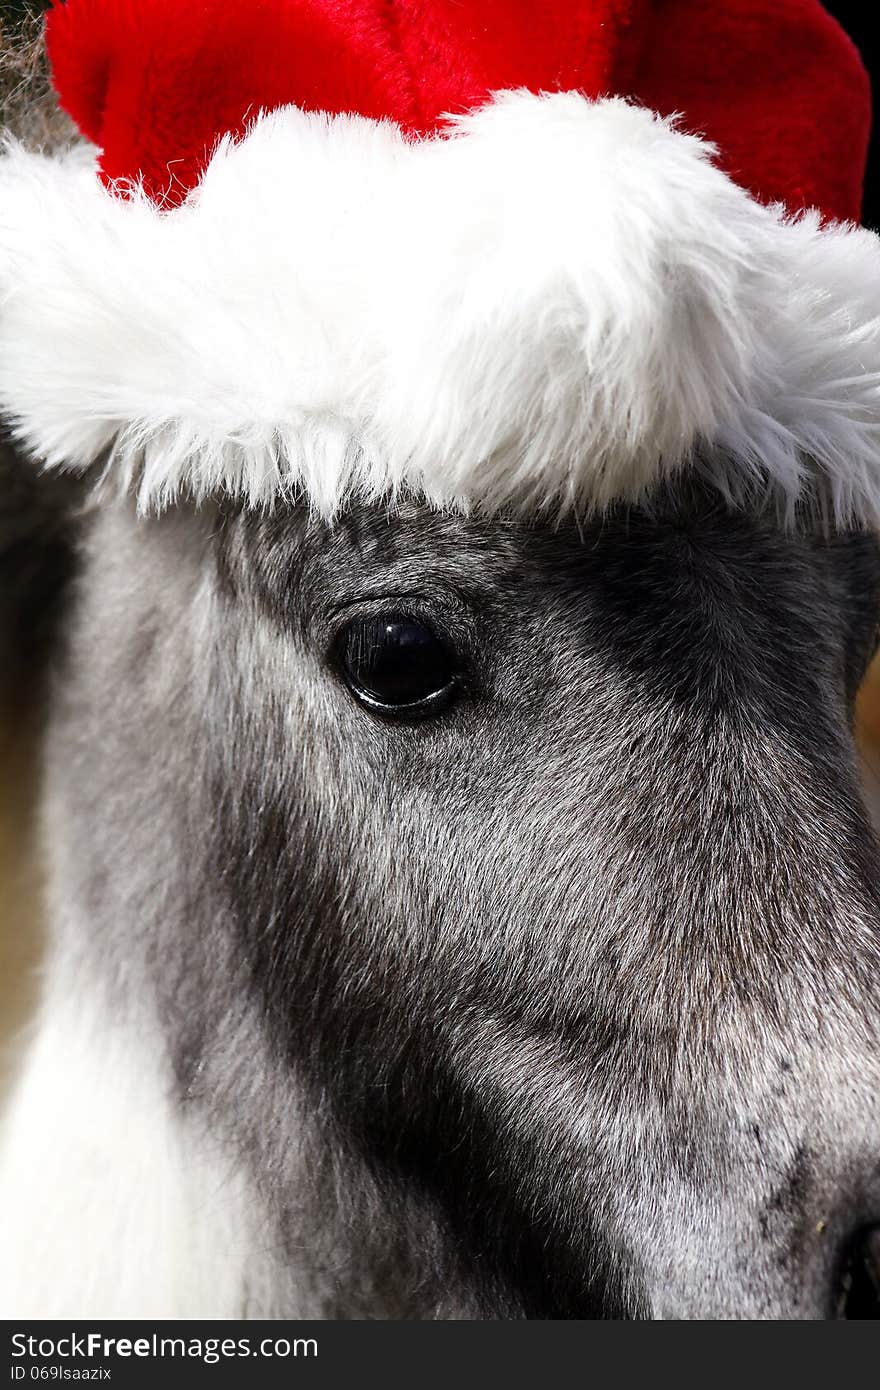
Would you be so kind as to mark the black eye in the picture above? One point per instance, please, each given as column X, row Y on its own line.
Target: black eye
column 396, row 665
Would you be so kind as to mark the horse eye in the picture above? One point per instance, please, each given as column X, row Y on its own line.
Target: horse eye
column 396, row 665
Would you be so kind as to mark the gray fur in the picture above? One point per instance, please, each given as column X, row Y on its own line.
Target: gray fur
column 564, row 1004
column 27, row 102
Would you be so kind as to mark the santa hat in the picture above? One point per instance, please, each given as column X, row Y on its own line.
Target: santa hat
column 497, row 252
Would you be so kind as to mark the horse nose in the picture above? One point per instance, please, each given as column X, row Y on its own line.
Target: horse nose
column 858, row 1285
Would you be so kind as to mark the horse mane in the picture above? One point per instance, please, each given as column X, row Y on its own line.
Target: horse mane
column 28, row 107
column 36, row 513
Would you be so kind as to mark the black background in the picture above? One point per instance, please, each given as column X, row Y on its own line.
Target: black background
column 861, row 19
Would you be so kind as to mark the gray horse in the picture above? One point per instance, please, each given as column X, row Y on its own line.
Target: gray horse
column 452, row 915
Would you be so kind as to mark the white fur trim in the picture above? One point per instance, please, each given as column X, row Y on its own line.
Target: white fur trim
column 560, row 301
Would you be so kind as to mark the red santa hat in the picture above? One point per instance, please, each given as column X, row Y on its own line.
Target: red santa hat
column 496, row 252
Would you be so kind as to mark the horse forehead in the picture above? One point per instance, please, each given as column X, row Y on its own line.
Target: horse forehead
column 411, row 539
column 689, row 533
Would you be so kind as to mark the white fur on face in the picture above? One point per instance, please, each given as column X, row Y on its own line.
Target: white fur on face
column 558, row 304
column 114, row 1204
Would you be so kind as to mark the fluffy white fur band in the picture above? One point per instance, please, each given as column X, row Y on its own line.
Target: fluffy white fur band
column 558, row 303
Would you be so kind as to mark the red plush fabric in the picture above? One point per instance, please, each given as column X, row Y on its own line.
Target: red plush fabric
column 778, row 87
